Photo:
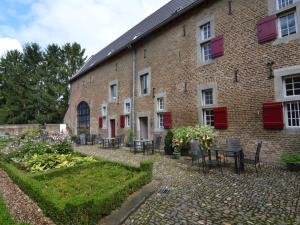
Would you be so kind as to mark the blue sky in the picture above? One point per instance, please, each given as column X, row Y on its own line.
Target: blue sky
column 91, row 23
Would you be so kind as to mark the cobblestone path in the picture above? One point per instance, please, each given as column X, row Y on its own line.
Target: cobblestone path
column 186, row 195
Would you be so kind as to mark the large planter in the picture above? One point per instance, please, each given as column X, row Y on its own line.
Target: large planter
column 168, row 150
column 295, row 167
column 185, row 151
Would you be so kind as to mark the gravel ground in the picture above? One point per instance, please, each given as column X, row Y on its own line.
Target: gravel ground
column 193, row 197
column 20, row 206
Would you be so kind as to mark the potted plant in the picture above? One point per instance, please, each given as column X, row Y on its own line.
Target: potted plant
column 129, row 140
column 168, row 143
column 177, row 145
column 292, row 161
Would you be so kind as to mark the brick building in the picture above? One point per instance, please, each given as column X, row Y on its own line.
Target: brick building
column 231, row 64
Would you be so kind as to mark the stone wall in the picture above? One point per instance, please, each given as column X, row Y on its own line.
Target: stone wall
column 18, row 129
column 171, row 54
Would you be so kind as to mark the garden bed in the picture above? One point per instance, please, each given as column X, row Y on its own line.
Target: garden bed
column 69, row 187
column 81, row 194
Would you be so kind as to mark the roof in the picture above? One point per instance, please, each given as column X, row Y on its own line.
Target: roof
column 162, row 16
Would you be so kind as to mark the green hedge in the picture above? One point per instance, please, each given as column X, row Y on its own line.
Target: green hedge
column 79, row 213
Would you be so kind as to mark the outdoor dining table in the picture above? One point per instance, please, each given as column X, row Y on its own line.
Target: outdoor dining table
column 110, row 142
column 144, row 143
column 238, row 155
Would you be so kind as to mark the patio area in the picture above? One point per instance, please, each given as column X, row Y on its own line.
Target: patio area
column 185, row 195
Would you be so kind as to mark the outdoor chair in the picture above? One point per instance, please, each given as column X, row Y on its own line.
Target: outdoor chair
column 82, row 139
column 196, row 152
column 199, row 153
column 232, row 144
column 137, row 146
column 256, row 160
column 105, row 143
column 121, row 139
column 89, row 139
column 117, row 142
column 157, row 141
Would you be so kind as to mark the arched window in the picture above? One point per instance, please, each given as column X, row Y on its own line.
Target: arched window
column 83, row 118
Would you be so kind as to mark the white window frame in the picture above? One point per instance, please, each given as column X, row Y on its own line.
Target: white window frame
column 273, row 9
column 205, row 111
column 202, row 106
column 278, row 4
column 115, row 98
column 203, row 28
column 286, row 114
column 203, row 41
column 207, row 107
column 280, row 75
column 279, row 23
column 159, row 110
column 146, row 71
column 127, row 114
column 104, row 116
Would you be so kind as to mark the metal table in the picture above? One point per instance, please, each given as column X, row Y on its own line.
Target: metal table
column 143, row 145
column 108, row 142
column 238, row 156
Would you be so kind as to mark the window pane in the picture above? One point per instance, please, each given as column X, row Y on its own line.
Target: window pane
column 293, row 114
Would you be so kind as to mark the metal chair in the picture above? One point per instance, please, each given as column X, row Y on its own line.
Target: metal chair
column 232, row 144
column 157, row 141
column 256, row 160
column 198, row 153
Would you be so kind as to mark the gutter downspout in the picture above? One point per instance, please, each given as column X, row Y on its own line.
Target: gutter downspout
column 133, row 124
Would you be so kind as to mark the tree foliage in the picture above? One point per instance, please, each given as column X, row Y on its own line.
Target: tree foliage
column 34, row 83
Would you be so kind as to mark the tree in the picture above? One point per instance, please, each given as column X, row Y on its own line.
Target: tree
column 34, row 84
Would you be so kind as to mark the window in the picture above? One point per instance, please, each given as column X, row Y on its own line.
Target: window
column 292, row 85
column 205, row 31
column 287, row 24
column 160, row 104
column 205, row 36
column 292, row 108
column 160, row 108
column 207, row 103
column 127, row 111
column 83, row 118
column 207, row 96
column 113, row 92
column 104, row 116
column 144, row 84
column 208, row 117
column 293, row 114
column 284, row 3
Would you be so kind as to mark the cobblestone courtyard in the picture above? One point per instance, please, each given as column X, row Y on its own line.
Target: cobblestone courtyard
column 197, row 198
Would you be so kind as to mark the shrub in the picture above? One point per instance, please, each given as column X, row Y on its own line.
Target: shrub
column 290, row 158
column 146, row 166
column 168, row 139
column 44, row 162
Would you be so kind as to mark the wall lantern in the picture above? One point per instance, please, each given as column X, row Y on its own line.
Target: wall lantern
column 271, row 70
column 236, row 73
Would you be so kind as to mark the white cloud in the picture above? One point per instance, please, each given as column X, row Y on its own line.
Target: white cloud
column 91, row 23
column 7, row 44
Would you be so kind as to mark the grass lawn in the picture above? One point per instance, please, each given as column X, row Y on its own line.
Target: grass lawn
column 85, row 184
column 5, row 218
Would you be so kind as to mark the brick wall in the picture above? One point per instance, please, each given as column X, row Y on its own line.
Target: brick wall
column 172, row 58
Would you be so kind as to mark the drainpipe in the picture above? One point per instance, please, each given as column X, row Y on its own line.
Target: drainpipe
column 133, row 126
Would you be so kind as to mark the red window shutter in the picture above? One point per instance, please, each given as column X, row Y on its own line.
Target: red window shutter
column 273, row 115
column 220, row 115
column 167, row 120
column 266, row 29
column 217, row 46
column 122, row 121
column 100, row 122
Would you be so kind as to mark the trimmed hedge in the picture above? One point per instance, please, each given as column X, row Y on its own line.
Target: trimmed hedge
column 78, row 212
